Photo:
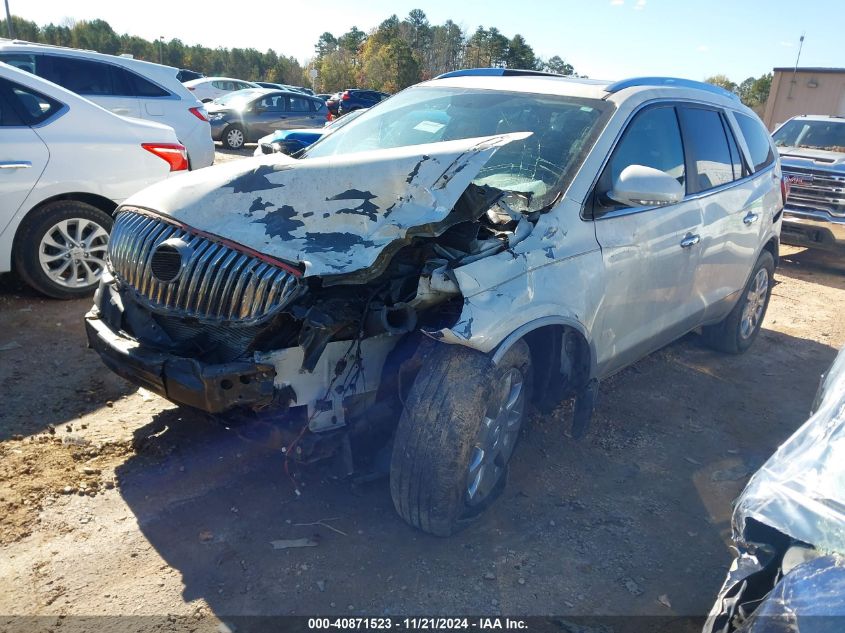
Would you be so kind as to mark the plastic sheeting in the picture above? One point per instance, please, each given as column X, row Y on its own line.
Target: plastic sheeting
column 800, row 490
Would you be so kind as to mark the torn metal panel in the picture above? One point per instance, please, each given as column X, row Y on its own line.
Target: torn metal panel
column 334, row 215
column 552, row 272
column 342, row 370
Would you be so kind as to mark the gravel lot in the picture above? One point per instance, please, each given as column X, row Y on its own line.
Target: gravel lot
column 113, row 501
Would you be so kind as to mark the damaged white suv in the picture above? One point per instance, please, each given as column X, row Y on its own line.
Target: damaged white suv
column 476, row 244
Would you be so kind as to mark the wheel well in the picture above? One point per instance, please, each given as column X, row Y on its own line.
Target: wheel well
column 774, row 248
column 560, row 358
column 100, row 202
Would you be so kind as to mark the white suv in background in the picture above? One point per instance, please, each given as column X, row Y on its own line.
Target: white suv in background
column 65, row 165
column 209, row 88
column 125, row 86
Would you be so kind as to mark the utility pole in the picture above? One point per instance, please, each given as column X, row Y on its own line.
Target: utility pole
column 795, row 70
column 160, row 40
column 9, row 22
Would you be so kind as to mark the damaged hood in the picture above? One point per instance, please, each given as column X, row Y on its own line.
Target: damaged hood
column 335, row 214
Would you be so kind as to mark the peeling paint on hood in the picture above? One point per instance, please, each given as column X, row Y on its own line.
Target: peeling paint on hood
column 334, row 214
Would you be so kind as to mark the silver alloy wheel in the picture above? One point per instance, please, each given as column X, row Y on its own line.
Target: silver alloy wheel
column 755, row 303
column 235, row 138
column 73, row 252
column 496, row 437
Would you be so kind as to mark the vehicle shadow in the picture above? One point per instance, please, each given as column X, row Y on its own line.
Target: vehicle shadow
column 813, row 266
column 48, row 377
column 635, row 515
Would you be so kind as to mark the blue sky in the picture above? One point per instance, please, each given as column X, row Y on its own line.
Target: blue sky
column 601, row 38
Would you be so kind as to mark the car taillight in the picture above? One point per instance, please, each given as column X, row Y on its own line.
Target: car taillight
column 784, row 188
column 345, row 95
column 199, row 113
column 174, row 154
column 329, row 115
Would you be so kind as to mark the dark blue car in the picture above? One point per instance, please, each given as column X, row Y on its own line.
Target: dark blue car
column 291, row 141
column 354, row 99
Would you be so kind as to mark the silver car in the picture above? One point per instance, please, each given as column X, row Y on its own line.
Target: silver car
column 245, row 116
column 475, row 245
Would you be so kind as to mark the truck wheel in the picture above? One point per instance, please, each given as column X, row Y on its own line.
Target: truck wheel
column 61, row 248
column 233, row 137
column 737, row 332
column 456, row 435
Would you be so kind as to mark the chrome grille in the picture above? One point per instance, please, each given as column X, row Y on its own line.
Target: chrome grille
column 218, row 283
column 823, row 191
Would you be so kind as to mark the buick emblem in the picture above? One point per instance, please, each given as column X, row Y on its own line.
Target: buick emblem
column 169, row 260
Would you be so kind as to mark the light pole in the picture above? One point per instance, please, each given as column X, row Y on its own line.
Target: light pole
column 9, row 22
column 160, row 40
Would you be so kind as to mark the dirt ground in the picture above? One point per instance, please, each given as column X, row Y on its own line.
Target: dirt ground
column 115, row 502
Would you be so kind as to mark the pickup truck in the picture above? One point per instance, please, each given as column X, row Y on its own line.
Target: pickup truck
column 812, row 153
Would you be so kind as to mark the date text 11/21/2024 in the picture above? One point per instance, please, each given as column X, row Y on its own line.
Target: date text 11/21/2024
column 417, row 623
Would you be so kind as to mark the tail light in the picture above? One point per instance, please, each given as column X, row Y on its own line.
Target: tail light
column 329, row 115
column 174, row 154
column 345, row 95
column 784, row 188
column 200, row 113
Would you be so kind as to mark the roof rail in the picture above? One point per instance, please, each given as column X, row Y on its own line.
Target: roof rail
column 670, row 81
column 496, row 72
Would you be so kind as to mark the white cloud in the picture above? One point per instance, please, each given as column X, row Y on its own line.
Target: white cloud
column 703, row 48
column 617, row 3
column 787, row 44
column 640, row 5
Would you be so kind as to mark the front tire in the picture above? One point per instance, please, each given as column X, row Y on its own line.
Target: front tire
column 234, row 137
column 736, row 333
column 61, row 248
column 456, row 435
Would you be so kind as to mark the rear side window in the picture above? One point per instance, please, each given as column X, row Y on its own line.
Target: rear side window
column 8, row 116
column 298, row 104
column 707, row 146
column 653, row 139
column 141, row 87
column 33, row 107
column 84, row 77
column 757, row 139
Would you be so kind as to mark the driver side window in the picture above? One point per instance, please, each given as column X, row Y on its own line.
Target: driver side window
column 652, row 139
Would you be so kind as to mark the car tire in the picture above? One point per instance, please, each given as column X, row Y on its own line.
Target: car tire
column 737, row 331
column 456, row 434
column 233, row 137
column 60, row 249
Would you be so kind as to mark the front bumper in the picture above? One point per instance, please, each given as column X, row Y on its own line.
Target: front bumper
column 186, row 381
column 813, row 229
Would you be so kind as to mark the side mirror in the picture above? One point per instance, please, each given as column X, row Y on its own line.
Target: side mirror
column 641, row 186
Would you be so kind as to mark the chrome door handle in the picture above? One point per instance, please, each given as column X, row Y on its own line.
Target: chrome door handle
column 690, row 240
column 16, row 164
column 751, row 218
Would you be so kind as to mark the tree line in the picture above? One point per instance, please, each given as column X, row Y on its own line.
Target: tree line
column 392, row 56
column 753, row 92
column 399, row 53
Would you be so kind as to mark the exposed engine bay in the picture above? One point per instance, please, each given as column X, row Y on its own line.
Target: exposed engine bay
column 282, row 333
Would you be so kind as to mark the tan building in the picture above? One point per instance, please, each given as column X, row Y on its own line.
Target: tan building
column 805, row 91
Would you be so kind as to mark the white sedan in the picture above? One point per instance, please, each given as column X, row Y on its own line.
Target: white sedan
column 209, row 88
column 65, row 165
